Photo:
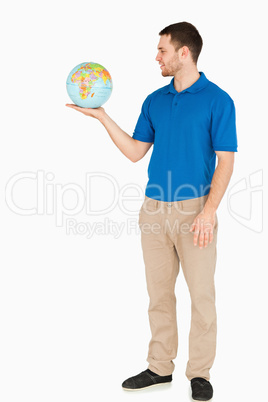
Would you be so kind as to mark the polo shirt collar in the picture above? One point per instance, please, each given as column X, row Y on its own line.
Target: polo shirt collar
column 201, row 83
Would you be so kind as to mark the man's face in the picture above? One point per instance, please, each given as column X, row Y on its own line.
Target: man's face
column 167, row 57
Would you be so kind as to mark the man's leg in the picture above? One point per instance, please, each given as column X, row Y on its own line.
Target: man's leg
column 199, row 268
column 162, row 268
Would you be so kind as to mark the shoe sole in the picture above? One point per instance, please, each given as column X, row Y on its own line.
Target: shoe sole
column 149, row 386
column 202, row 400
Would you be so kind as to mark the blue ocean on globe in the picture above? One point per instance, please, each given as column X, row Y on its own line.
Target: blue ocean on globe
column 89, row 85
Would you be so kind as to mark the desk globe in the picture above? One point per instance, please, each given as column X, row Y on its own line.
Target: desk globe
column 89, row 85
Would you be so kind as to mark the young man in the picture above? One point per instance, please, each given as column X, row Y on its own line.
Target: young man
column 190, row 122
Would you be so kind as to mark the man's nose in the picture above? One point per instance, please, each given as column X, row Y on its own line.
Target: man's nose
column 158, row 58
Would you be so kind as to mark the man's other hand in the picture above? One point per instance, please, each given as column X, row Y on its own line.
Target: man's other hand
column 202, row 227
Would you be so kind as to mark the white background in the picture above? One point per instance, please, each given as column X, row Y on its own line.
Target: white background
column 74, row 309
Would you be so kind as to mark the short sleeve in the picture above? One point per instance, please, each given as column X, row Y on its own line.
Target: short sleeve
column 144, row 130
column 223, row 125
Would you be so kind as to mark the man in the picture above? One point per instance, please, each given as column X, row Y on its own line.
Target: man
column 190, row 122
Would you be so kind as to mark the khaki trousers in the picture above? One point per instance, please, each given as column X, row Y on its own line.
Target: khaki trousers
column 167, row 243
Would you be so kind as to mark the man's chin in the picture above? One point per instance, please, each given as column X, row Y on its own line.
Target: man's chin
column 165, row 74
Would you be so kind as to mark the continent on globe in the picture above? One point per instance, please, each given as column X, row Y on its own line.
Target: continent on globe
column 89, row 85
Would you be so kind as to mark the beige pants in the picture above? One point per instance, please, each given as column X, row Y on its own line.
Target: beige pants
column 167, row 243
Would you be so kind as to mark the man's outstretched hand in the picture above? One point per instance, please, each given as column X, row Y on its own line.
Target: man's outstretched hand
column 96, row 113
column 203, row 226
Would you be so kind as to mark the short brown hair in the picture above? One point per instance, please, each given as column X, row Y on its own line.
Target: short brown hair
column 184, row 34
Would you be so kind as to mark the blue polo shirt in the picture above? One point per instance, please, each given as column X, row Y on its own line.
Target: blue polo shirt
column 186, row 129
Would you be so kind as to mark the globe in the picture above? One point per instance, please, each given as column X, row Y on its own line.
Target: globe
column 89, row 85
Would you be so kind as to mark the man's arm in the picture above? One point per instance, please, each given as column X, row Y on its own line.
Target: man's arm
column 204, row 223
column 131, row 148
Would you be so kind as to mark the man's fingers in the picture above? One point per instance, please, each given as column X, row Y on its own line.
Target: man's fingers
column 211, row 236
column 192, row 228
column 201, row 239
column 87, row 111
column 204, row 230
column 201, row 234
column 79, row 109
column 206, row 238
column 209, row 231
column 196, row 233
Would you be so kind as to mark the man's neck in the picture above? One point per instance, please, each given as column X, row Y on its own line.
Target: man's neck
column 185, row 79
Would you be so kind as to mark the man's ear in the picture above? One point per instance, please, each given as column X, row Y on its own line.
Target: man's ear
column 184, row 52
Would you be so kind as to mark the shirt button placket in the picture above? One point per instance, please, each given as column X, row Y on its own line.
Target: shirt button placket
column 176, row 100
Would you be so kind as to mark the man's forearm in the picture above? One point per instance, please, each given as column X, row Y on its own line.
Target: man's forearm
column 121, row 139
column 219, row 183
column 127, row 145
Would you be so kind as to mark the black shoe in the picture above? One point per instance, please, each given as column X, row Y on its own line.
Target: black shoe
column 144, row 380
column 201, row 389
